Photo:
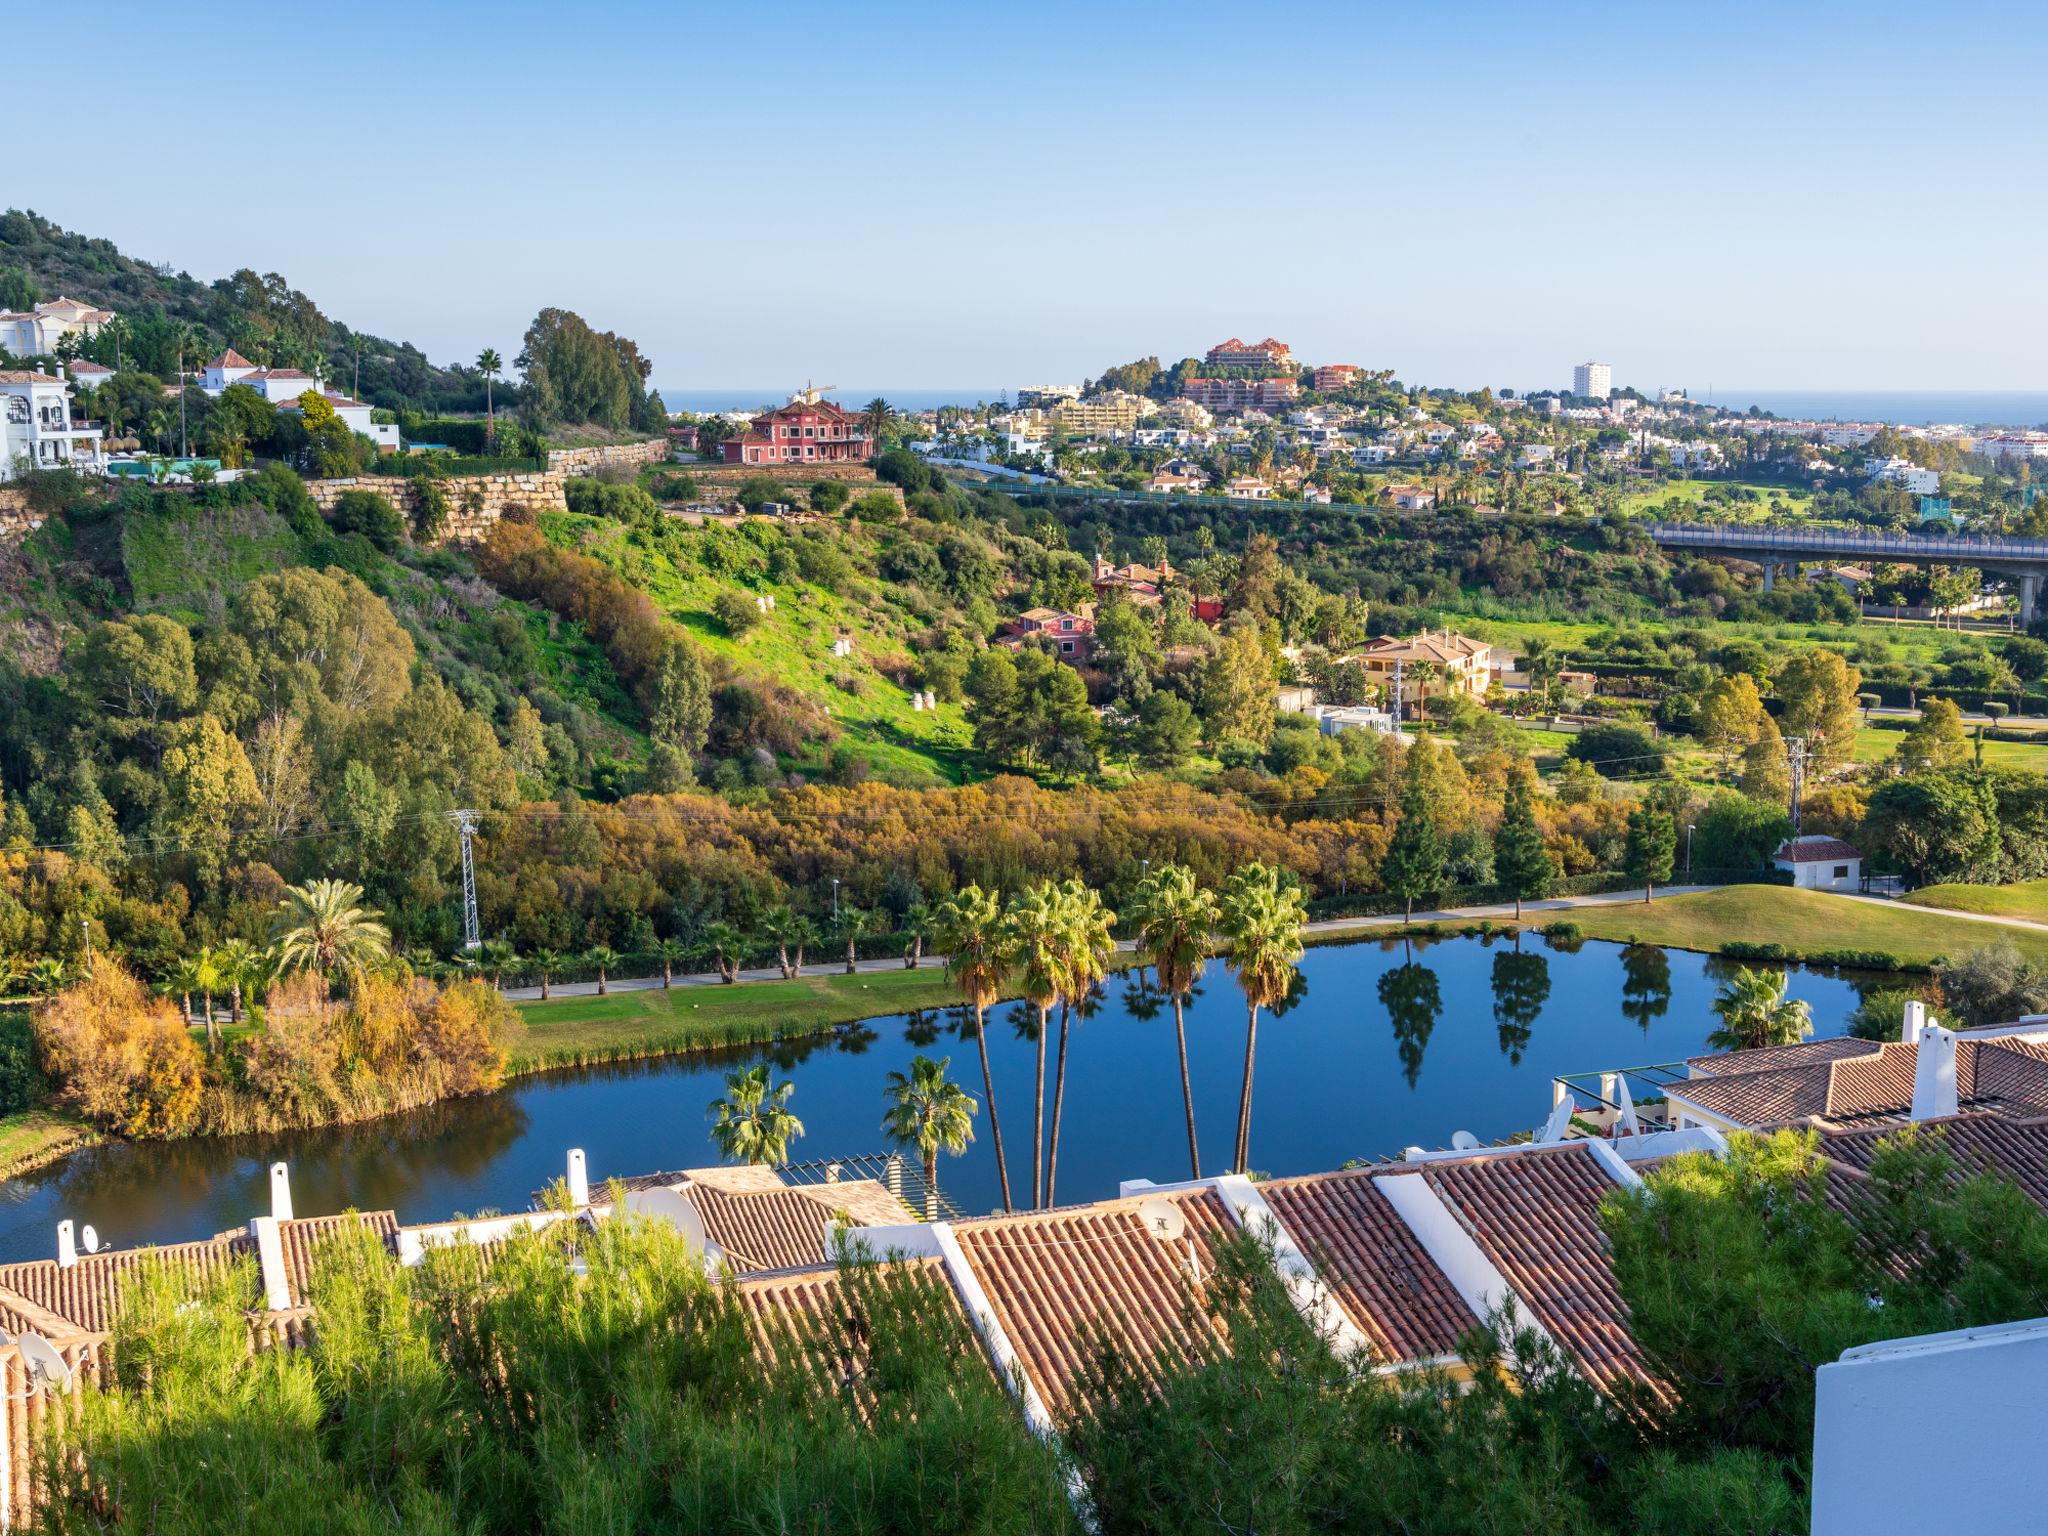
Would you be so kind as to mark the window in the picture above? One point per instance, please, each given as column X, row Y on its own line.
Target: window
column 1841, row 871
column 1066, row 647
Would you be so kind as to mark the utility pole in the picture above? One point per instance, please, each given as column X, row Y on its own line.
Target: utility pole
column 465, row 825
column 1795, row 756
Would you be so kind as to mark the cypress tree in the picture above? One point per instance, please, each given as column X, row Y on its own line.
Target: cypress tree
column 1414, row 865
column 1522, row 862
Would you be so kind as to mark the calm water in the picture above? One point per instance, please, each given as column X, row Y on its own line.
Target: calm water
column 1904, row 407
column 1381, row 1048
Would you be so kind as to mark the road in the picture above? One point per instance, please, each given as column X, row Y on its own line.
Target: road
column 1334, row 925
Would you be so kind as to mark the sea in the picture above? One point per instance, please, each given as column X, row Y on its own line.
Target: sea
column 1902, row 407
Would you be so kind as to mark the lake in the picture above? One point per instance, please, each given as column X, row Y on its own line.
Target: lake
column 1382, row 1046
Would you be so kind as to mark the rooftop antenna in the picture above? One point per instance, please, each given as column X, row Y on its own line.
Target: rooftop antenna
column 89, row 1238
column 1464, row 1141
column 1163, row 1219
column 1559, row 1122
column 1795, row 755
column 465, row 825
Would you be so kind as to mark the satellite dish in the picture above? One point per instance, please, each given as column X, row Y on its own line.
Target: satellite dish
column 1163, row 1219
column 1464, row 1141
column 89, row 1239
column 673, row 1207
column 1559, row 1122
column 45, row 1366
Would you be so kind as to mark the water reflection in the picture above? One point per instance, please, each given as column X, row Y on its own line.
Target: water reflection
column 1645, row 984
column 1521, row 986
column 1477, row 1030
column 1414, row 999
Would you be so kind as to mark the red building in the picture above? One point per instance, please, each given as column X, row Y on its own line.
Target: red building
column 808, row 430
column 1072, row 634
column 1259, row 356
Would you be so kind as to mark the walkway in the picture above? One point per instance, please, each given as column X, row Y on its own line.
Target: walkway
column 1970, row 917
column 1331, row 925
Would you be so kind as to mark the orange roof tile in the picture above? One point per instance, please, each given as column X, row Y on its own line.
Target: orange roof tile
column 1380, row 1274
column 1064, row 1284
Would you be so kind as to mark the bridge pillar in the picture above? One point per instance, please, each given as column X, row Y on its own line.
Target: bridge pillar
column 2030, row 597
column 1770, row 575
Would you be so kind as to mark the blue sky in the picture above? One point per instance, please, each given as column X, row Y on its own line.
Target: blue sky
column 947, row 195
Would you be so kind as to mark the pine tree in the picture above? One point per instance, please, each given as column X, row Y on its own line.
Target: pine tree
column 1414, row 865
column 1522, row 861
column 680, row 714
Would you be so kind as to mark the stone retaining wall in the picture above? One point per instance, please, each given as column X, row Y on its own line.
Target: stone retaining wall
column 718, row 478
column 533, row 491
column 588, row 461
column 16, row 521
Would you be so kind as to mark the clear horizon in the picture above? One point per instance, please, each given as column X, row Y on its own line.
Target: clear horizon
column 940, row 194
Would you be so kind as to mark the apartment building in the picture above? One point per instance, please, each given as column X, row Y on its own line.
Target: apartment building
column 1593, row 379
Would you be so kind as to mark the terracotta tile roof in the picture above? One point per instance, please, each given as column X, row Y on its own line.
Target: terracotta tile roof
column 1379, row 1273
column 1535, row 1215
column 1815, row 850
column 231, row 359
column 785, row 1228
column 1872, row 1086
column 302, row 1239
column 817, row 1319
column 1063, row 1284
column 88, row 1294
column 1805, row 1053
column 1980, row 1142
column 25, row 376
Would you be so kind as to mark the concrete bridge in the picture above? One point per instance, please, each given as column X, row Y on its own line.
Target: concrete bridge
column 2024, row 560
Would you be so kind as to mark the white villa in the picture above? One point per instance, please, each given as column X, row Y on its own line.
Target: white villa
column 282, row 388
column 36, row 332
column 36, row 428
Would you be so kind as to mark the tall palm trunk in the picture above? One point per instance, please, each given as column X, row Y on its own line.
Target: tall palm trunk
column 603, row 983
column 1244, row 1102
column 1038, row 1115
column 988, row 1093
column 235, row 1004
column 543, row 986
column 1187, row 1087
column 206, row 1002
column 1059, row 1095
column 666, row 977
column 931, row 1186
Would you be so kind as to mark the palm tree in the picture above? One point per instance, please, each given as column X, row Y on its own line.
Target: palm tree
column 791, row 932
column 669, row 952
column 1090, row 945
column 48, row 976
column 1754, row 1012
column 931, row 1113
column 489, row 364
column 849, row 925
column 917, row 925
column 1034, row 945
column 237, row 961
column 727, row 947
column 752, row 1123
column 876, row 418
column 495, row 955
column 183, row 979
column 207, row 973
column 603, row 959
column 323, row 926
column 547, row 962
column 1176, row 919
column 969, row 928
column 1261, row 921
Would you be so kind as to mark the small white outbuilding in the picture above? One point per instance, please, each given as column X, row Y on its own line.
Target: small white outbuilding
column 1820, row 863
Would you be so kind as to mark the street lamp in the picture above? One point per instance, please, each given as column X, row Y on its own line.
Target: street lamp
column 835, row 897
column 1688, row 848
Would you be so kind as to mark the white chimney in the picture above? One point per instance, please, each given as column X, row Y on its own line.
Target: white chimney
column 579, row 1178
column 1914, row 1022
column 280, row 1192
column 67, row 1245
column 1934, row 1074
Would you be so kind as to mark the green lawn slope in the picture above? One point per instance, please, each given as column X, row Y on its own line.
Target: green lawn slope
column 1804, row 922
column 2027, row 901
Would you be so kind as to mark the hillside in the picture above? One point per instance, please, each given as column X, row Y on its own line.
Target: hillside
column 261, row 316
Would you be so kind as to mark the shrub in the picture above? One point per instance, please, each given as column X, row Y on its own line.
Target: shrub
column 829, row 496
column 123, row 1059
column 756, row 491
column 22, row 1084
column 369, row 514
column 876, row 507
column 1619, row 751
column 735, row 611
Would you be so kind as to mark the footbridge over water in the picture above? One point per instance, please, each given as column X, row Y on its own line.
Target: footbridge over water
column 2024, row 560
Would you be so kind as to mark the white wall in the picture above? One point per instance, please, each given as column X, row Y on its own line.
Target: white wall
column 1936, row 1433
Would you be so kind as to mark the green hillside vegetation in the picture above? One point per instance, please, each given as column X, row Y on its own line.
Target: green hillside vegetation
column 687, row 571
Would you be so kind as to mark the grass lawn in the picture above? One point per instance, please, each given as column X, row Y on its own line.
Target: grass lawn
column 2028, row 900
column 1875, row 744
column 568, row 1031
column 1805, row 922
column 34, row 1136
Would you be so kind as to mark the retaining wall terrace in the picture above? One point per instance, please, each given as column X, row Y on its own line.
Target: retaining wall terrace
column 16, row 521
column 588, row 461
column 533, row 491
